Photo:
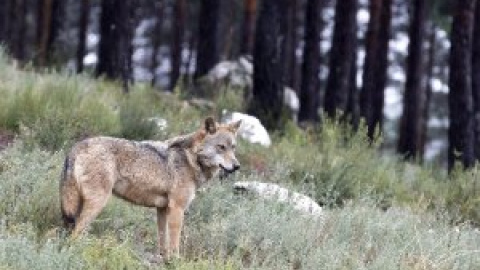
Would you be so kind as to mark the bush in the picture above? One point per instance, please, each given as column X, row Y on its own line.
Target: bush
column 20, row 250
column 56, row 109
column 29, row 187
column 380, row 213
column 259, row 234
column 222, row 230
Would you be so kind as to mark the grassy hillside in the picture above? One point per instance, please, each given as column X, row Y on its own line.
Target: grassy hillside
column 380, row 213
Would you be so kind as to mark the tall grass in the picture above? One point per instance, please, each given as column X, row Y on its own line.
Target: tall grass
column 380, row 213
column 55, row 109
column 222, row 230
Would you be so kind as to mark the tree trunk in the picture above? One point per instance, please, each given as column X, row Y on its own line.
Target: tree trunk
column 378, row 96
column 461, row 133
column 18, row 29
column 82, row 33
column 8, row 23
column 376, row 63
column 267, row 103
column 115, row 50
column 248, row 27
column 44, row 18
column 49, row 19
column 476, row 80
column 227, row 32
column 409, row 142
column 341, row 57
column 208, row 50
column 290, row 62
column 310, row 85
column 159, row 7
column 352, row 113
column 177, row 45
column 3, row 20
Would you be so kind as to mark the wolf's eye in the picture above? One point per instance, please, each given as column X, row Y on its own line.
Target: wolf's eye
column 221, row 147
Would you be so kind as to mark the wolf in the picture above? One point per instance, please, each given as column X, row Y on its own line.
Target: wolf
column 159, row 174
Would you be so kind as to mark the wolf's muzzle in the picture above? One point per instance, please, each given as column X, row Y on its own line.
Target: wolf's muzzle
column 235, row 168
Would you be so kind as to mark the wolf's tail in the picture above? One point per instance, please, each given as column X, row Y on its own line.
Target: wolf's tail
column 70, row 197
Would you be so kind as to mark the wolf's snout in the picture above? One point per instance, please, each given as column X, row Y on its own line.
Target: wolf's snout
column 236, row 167
column 232, row 168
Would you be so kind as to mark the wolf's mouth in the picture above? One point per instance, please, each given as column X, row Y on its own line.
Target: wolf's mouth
column 228, row 170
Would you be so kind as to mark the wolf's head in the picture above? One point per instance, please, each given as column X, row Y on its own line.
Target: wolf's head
column 215, row 147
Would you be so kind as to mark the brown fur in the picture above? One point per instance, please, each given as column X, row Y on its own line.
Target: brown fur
column 163, row 175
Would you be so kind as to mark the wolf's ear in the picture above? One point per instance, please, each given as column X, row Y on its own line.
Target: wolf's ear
column 235, row 126
column 210, row 125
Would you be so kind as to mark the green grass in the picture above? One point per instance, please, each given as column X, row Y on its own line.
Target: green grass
column 380, row 213
column 223, row 230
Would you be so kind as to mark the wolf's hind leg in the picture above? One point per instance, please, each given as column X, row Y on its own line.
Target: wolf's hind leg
column 92, row 206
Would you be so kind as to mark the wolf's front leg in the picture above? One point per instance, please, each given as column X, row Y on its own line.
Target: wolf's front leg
column 175, row 216
column 162, row 231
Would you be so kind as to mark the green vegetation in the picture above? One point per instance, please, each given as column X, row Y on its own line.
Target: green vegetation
column 380, row 213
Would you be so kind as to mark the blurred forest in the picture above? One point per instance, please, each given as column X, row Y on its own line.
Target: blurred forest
column 410, row 70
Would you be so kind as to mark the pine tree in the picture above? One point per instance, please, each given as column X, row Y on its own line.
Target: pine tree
column 310, row 85
column 341, row 57
column 267, row 102
column 409, row 142
column 115, row 49
column 460, row 132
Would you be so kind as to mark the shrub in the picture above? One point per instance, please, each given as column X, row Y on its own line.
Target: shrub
column 29, row 187
column 222, row 230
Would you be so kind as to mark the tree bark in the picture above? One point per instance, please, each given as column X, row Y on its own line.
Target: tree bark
column 291, row 44
column 476, row 80
column 49, row 19
column 267, row 103
column 115, row 50
column 82, row 33
column 8, row 23
column 378, row 96
column 3, row 20
column 461, row 133
column 409, row 142
column 208, row 50
column 376, row 63
column 248, row 27
column 310, row 84
column 341, row 56
column 159, row 7
column 352, row 113
column 18, row 29
column 177, row 45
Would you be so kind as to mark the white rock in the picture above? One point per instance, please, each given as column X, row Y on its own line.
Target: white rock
column 251, row 129
column 221, row 70
column 291, row 99
column 275, row 192
column 236, row 73
column 246, row 64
